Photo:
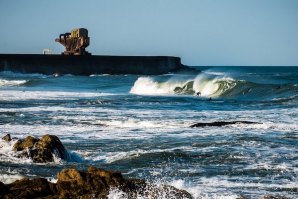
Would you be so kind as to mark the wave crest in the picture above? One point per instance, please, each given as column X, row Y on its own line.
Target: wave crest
column 205, row 85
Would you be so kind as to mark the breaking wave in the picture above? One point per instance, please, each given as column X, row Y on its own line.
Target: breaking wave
column 210, row 85
column 205, row 85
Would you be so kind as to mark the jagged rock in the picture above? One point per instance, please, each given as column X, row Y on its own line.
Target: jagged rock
column 94, row 183
column 7, row 138
column 46, row 147
column 40, row 150
column 221, row 123
column 27, row 143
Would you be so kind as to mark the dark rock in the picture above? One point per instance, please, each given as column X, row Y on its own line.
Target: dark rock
column 274, row 197
column 221, row 123
column 7, row 138
column 40, row 150
column 3, row 189
column 94, row 183
column 27, row 188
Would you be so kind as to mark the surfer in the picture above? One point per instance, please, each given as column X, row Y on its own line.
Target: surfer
column 198, row 94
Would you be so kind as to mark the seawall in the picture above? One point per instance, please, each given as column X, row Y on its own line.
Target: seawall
column 86, row 65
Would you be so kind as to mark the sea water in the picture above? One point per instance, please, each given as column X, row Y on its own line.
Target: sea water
column 140, row 125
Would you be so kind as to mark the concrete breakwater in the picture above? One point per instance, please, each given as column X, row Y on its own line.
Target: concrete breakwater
column 87, row 65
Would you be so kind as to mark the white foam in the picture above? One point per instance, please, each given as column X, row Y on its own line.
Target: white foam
column 8, row 155
column 9, row 83
column 214, row 73
column 136, row 123
column 99, row 75
column 9, row 178
column 13, row 95
column 147, row 86
column 117, row 194
column 198, row 192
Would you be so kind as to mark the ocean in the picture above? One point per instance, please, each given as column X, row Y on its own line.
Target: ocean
column 140, row 126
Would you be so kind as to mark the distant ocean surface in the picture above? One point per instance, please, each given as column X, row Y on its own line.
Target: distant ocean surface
column 140, row 125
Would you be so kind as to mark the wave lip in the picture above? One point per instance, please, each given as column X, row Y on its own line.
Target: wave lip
column 148, row 86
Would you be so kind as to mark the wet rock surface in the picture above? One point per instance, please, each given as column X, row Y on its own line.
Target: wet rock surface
column 42, row 150
column 220, row 123
column 93, row 183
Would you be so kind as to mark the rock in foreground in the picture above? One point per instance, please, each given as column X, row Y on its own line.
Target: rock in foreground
column 94, row 183
column 42, row 150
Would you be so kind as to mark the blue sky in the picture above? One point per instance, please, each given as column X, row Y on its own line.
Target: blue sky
column 202, row 32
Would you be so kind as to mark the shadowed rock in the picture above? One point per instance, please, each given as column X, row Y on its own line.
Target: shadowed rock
column 221, row 123
column 26, row 188
column 94, row 183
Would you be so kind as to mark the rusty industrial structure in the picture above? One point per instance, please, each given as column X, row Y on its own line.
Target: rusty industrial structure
column 75, row 42
column 76, row 60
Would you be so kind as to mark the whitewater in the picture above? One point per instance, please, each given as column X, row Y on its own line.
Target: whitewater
column 140, row 126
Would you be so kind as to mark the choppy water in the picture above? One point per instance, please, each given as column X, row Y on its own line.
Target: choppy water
column 139, row 125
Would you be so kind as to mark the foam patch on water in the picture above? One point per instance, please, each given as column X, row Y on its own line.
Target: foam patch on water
column 197, row 192
column 222, row 187
column 136, row 123
column 9, row 178
column 8, row 155
column 10, row 83
column 13, row 95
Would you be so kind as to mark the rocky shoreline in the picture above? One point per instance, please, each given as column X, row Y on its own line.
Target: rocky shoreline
column 93, row 183
column 73, row 183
